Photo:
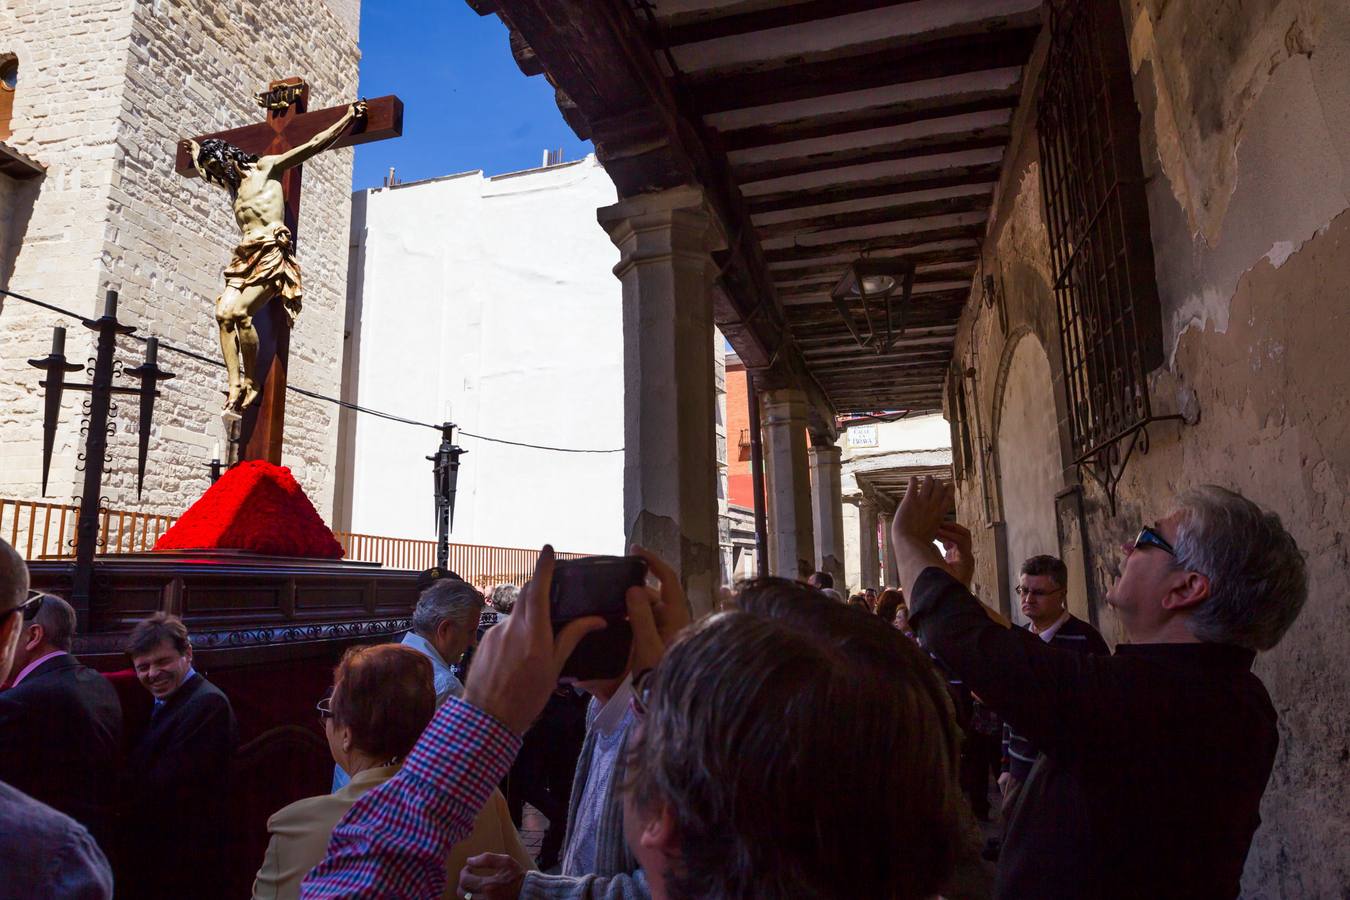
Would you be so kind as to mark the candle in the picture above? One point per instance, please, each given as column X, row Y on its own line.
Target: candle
column 215, row 451
column 151, row 351
column 110, row 305
column 59, row 341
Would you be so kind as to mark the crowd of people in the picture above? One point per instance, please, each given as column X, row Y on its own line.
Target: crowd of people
column 793, row 744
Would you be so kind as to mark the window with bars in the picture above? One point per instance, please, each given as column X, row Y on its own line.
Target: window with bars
column 1096, row 212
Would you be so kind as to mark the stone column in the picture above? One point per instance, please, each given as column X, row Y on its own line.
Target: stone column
column 828, row 511
column 867, row 543
column 670, row 453
column 792, row 550
column 890, row 575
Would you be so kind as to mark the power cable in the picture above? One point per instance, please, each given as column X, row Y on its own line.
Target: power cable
column 314, row 395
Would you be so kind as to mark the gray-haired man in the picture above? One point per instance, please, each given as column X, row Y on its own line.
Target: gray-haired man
column 1153, row 760
column 444, row 626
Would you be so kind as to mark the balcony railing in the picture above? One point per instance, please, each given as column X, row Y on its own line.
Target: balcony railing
column 40, row 530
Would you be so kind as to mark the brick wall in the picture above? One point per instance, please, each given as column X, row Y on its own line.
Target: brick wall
column 106, row 89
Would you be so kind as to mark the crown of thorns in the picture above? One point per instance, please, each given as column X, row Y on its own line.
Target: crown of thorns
column 227, row 156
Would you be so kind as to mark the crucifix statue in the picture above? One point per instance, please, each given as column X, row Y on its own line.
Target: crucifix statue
column 260, row 166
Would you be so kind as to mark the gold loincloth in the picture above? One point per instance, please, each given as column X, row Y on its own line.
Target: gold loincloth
column 270, row 261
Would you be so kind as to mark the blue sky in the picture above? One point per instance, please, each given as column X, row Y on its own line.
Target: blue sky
column 465, row 104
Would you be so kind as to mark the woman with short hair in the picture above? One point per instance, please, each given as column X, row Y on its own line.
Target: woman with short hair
column 383, row 697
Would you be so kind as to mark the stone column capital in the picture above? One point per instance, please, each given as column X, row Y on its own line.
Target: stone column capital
column 674, row 223
column 829, row 454
column 780, row 405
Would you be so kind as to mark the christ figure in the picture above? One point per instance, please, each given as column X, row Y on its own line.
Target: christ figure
column 263, row 266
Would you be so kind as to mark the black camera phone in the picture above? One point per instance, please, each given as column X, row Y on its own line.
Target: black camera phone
column 595, row 586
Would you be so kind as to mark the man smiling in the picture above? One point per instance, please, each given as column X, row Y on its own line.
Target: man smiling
column 1154, row 759
column 178, row 769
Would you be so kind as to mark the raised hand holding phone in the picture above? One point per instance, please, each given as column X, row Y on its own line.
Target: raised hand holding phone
column 519, row 660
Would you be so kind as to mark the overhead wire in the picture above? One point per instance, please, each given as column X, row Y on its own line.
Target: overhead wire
column 314, row 395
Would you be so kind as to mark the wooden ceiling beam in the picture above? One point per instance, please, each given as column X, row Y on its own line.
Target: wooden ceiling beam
column 882, row 215
column 822, row 288
column 928, row 145
column 649, row 139
column 994, row 43
column 832, row 272
column 843, row 192
column 885, row 242
column 886, row 116
column 868, row 362
column 708, row 25
column 824, row 344
column 920, row 305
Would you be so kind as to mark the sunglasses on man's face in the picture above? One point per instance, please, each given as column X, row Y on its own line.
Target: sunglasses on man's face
column 1150, row 538
column 29, row 608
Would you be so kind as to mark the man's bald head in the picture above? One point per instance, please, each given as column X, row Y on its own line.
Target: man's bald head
column 13, row 590
column 13, row 576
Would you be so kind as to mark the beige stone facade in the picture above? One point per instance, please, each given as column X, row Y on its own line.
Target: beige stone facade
column 1244, row 110
column 106, row 89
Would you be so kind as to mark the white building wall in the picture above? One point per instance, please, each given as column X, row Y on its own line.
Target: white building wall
column 489, row 302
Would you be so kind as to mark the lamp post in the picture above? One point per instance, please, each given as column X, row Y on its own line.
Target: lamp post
column 445, row 474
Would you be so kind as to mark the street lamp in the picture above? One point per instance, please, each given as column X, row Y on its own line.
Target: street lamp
column 872, row 284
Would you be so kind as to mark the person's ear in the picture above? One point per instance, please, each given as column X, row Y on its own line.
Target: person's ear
column 659, row 833
column 345, row 736
column 188, row 655
column 1189, row 590
column 34, row 638
column 10, row 627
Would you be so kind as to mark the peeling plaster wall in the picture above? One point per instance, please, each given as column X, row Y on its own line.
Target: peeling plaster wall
column 1245, row 109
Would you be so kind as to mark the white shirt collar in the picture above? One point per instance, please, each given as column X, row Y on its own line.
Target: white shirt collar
column 612, row 714
column 1049, row 633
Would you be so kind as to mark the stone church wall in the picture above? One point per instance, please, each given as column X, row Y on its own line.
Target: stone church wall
column 106, row 89
column 1244, row 111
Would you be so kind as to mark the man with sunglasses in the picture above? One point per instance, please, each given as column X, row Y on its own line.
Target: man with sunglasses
column 43, row 853
column 1153, row 760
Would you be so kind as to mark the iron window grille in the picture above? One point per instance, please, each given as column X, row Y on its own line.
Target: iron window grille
column 1096, row 211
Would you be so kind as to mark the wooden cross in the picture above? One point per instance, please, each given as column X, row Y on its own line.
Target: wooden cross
column 287, row 125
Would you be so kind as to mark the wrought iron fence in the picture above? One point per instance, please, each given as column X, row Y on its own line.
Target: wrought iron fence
column 41, row 530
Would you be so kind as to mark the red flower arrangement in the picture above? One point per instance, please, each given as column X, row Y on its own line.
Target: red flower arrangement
column 255, row 506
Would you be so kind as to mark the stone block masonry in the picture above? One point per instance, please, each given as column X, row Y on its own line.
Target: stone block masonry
column 106, row 90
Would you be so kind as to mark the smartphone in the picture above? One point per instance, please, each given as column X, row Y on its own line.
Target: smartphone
column 595, row 586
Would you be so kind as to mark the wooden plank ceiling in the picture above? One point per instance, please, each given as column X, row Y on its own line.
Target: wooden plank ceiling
column 822, row 130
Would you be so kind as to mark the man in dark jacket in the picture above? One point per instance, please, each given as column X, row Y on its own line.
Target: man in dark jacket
column 64, row 715
column 1153, row 760
column 1042, row 588
column 178, row 770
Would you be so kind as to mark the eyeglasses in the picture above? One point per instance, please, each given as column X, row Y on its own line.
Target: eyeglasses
column 1150, row 538
column 642, row 693
column 325, row 708
column 1034, row 592
column 29, row 607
